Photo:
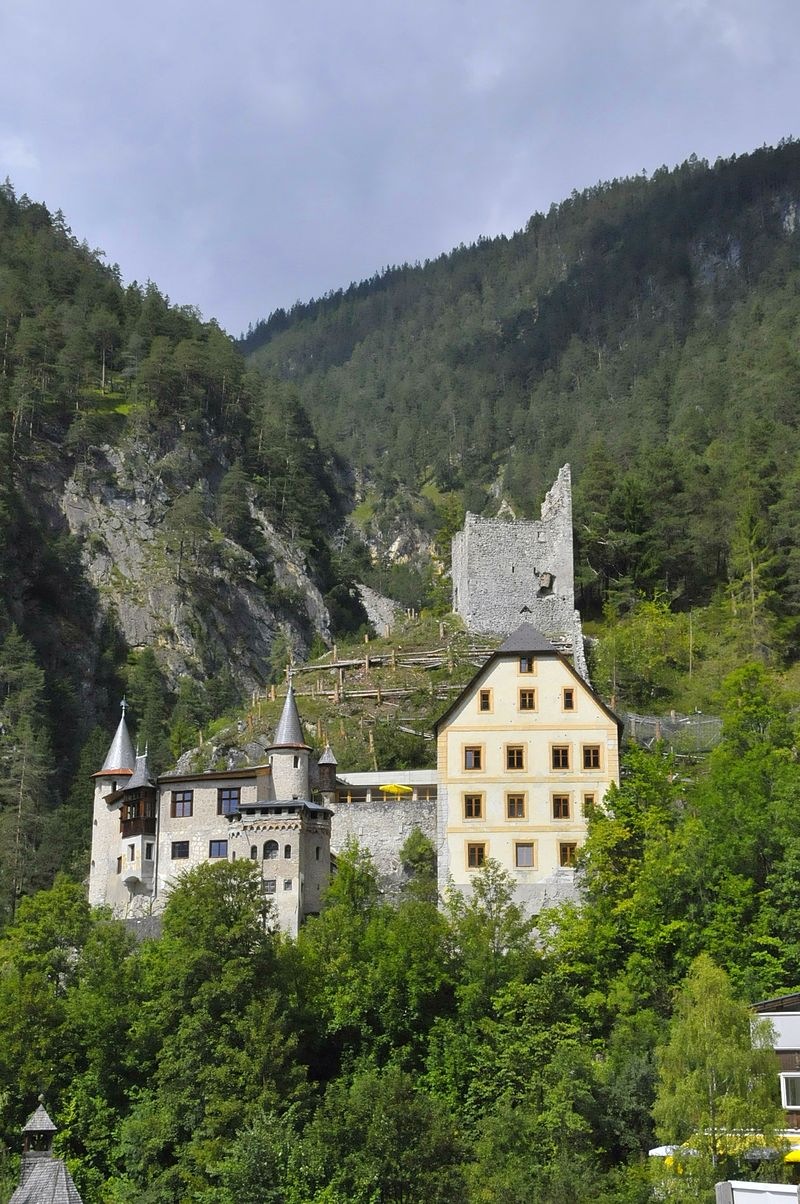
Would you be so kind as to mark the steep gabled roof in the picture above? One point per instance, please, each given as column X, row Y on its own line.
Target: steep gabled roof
column 525, row 639
column 327, row 757
column 45, row 1181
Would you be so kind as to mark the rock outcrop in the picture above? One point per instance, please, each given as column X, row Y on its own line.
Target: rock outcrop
column 195, row 598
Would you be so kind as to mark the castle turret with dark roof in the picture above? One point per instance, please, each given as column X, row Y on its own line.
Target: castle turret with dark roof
column 289, row 753
column 120, row 758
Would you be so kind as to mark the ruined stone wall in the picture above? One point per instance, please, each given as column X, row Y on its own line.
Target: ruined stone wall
column 383, row 828
column 508, row 573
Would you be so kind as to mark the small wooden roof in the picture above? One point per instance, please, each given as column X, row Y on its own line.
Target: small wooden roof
column 39, row 1122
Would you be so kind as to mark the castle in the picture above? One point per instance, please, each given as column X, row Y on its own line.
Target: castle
column 506, row 573
column 146, row 832
column 523, row 754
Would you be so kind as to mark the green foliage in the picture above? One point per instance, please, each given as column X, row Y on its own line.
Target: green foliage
column 717, row 1089
column 380, row 1139
column 418, row 859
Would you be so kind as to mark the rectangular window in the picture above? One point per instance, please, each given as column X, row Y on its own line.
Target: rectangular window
column 527, row 700
column 485, row 700
column 119, row 865
column 566, row 855
column 287, row 884
column 568, row 698
column 790, row 1090
column 476, row 856
column 560, row 806
column 515, row 806
column 180, row 849
column 591, row 756
column 473, row 806
column 473, row 756
column 515, row 756
column 181, row 807
column 560, row 756
column 228, row 800
column 527, row 664
column 218, row 848
column 523, row 856
column 588, row 803
column 270, row 886
column 131, row 852
column 148, row 852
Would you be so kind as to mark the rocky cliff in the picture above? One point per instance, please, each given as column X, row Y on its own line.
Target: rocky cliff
column 193, row 594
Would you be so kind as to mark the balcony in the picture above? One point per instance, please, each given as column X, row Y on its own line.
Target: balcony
column 143, row 825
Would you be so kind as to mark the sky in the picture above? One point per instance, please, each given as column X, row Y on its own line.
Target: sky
column 247, row 154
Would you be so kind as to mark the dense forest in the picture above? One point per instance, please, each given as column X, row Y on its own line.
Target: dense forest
column 421, row 1053
column 646, row 330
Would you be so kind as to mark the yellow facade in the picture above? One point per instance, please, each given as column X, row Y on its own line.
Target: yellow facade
column 521, row 756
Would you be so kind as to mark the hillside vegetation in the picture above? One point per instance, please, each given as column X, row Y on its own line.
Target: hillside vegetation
column 645, row 330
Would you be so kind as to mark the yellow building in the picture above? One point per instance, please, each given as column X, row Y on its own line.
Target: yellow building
column 523, row 753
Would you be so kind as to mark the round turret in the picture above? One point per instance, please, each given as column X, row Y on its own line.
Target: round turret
column 289, row 753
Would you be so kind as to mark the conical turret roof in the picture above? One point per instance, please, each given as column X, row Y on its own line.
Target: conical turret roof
column 289, row 732
column 120, row 757
column 328, row 757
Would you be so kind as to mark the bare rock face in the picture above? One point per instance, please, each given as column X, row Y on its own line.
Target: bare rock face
column 381, row 611
column 199, row 604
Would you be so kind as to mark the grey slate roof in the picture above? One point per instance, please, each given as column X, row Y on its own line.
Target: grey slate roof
column 120, row 755
column 289, row 732
column 526, row 638
column 141, row 774
column 45, row 1180
column 39, row 1122
column 327, row 757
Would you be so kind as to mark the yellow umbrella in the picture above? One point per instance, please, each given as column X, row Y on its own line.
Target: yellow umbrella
column 396, row 788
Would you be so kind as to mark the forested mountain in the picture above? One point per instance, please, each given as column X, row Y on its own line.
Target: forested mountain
column 645, row 330
column 164, row 524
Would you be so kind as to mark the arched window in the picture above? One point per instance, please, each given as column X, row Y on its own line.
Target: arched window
column 254, row 852
column 270, row 850
column 287, row 851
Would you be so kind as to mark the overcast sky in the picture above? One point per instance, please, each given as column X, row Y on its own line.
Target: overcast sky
column 246, row 154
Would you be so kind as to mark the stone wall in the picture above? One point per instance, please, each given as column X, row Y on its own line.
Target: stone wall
column 383, row 828
column 508, row 573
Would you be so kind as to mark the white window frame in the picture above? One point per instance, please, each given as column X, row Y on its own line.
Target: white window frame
column 784, row 1099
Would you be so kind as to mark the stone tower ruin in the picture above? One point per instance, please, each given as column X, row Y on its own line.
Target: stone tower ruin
column 508, row 573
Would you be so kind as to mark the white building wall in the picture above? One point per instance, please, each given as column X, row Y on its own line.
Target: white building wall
column 536, row 732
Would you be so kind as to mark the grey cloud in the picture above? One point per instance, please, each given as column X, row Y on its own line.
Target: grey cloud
column 248, row 154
